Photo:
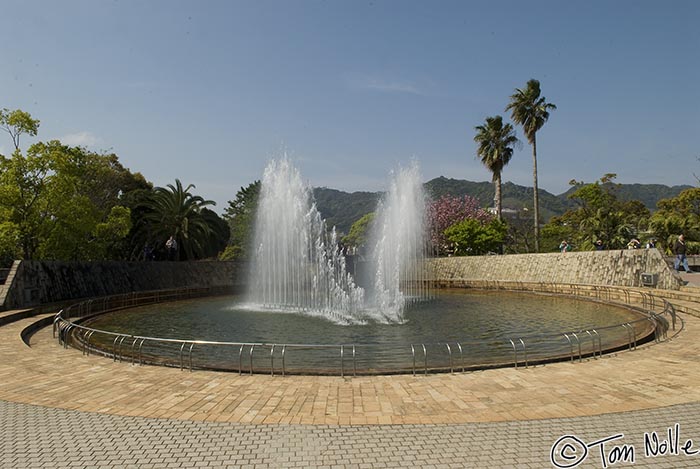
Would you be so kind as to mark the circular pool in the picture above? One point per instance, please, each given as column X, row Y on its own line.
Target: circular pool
column 460, row 329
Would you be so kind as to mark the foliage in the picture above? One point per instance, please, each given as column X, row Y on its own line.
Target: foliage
column 520, row 235
column 16, row 123
column 219, row 235
column 359, row 231
column 647, row 194
column 61, row 202
column 175, row 211
column 600, row 215
column 447, row 211
column 240, row 216
column 9, row 244
column 471, row 237
column 342, row 209
column 495, row 149
column 531, row 111
column 677, row 215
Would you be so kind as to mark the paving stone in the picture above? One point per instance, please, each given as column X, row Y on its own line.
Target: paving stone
column 59, row 408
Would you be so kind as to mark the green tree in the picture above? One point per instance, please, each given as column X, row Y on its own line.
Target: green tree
column 680, row 214
column 240, row 216
column 495, row 148
column 531, row 111
column 599, row 215
column 17, row 123
column 219, row 234
column 175, row 211
column 472, row 238
column 24, row 200
column 359, row 231
column 59, row 201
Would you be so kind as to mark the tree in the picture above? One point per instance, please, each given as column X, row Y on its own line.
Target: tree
column 599, row 215
column 359, row 231
column 531, row 111
column 680, row 214
column 496, row 142
column 175, row 211
column 219, row 235
column 24, row 204
column 61, row 202
column 240, row 216
column 473, row 238
column 16, row 123
column 447, row 211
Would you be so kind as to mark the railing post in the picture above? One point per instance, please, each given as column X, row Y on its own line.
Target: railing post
column 114, row 348
column 524, row 351
column 354, row 362
column 461, row 355
column 571, row 346
column 578, row 341
column 515, row 353
column 272, row 360
column 449, row 352
column 182, row 359
column 284, row 349
column 413, row 354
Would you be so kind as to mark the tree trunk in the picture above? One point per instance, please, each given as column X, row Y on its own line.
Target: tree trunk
column 536, row 200
column 497, row 195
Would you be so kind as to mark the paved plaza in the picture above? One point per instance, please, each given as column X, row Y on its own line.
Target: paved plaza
column 59, row 408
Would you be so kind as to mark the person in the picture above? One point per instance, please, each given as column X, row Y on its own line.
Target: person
column 564, row 246
column 651, row 243
column 148, row 253
column 171, row 246
column 633, row 244
column 679, row 249
column 599, row 245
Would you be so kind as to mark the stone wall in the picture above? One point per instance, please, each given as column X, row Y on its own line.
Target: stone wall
column 32, row 283
column 621, row 268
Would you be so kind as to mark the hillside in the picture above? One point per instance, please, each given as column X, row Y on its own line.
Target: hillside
column 648, row 194
column 514, row 196
column 342, row 209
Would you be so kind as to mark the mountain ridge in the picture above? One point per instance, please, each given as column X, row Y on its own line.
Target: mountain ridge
column 341, row 209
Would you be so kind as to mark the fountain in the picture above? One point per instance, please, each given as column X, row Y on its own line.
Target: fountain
column 397, row 259
column 338, row 326
column 299, row 267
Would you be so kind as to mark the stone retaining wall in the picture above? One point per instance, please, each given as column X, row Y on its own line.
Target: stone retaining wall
column 32, row 283
column 620, row 268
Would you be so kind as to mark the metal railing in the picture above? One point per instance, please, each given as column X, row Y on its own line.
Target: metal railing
column 657, row 316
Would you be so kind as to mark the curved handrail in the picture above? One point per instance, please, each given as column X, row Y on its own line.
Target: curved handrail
column 66, row 324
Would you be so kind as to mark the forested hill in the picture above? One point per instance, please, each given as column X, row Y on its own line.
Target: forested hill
column 514, row 196
column 648, row 194
column 342, row 209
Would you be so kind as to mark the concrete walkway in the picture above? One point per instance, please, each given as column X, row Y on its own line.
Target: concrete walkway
column 62, row 409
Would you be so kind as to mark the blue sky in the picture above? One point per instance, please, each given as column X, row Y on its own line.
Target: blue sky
column 209, row 91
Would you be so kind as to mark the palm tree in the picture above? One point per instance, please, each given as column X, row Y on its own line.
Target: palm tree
column 531, row 111
column 496, row 142
column 175, row 211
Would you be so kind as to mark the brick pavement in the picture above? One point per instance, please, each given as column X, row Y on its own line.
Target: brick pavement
column 61, row 409
column 41, row 437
